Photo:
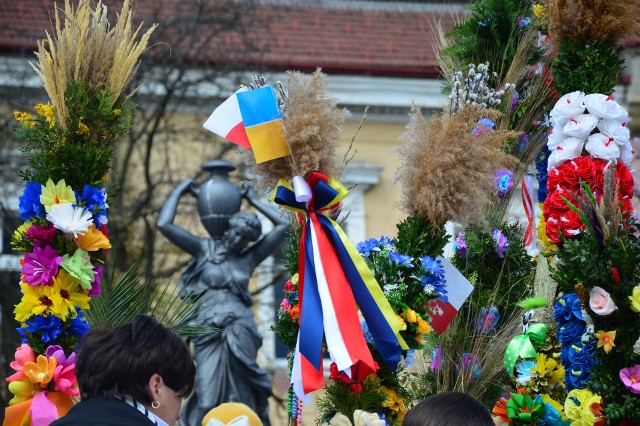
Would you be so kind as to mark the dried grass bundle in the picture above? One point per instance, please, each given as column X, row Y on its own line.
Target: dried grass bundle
column 604, row 20
column 312, row 125
column 447, row 173
column 86, row 49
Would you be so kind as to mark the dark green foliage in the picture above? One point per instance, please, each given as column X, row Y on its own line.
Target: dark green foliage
column 498, row 281
column 291, row 250
column 338, row 398
column 80, row 152
column 417, row 237
column 286, row 330
column 490, row 34
column 590, row 67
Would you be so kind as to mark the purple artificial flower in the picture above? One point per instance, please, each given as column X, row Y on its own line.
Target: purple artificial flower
column 523, row 141
column 470, row 362
column 523, row 22
column 504, row 181
column 437, row 360
column 96, row 289
column 40, row 266
column 501, row 242
column 483, row 126
column 630, row 377
column 487, row 320
column 40, row 236
column 460, row 244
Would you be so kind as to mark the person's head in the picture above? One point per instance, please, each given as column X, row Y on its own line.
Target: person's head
column 449, row 409
column 143, row 359
column 229, row 411
column 244, row 227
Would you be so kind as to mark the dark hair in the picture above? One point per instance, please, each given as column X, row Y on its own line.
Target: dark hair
column 449, row 409
column 121, row 360
column 248, row 224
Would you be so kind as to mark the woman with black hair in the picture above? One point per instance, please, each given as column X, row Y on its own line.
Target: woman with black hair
column 449, row 409
column 134, row 374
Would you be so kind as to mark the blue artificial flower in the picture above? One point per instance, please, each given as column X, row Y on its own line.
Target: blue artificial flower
column 29, row 202
column 567, row 309
column 541, row 166
column 78, row 326
column 582, row 361
column 484, row 125
column 523, row 142
column 523, row 22
column 523, row 371
column 410, row 359
column 400, row 259
column 487, row 319
column 504, row 181
column 366, row 247
column 433, row 280
column 95, row 201
column 571, row 332
column 431, row 265
column 501, row 242
column 49, row 326
column 552, row 417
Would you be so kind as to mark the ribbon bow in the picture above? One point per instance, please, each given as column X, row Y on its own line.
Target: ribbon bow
column 333, row 279
column 522, row 346
column 521, row 407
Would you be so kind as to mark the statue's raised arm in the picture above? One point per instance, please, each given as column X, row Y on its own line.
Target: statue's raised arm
column 178, row 236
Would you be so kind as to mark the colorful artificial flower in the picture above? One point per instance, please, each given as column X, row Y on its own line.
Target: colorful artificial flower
column 524, row 370
column 23, row 355
column 471, row 363
column 40, row 266
column 487, row 319
column 484, row 126
column 39, row 300
column 403, row 324
column 501, row 242
column 93, row 240
column 40, row 235
column 460, row 244
column 400, row 259
column 22, row 390
column 504, row 181
column 547, row 366
column 520, row 407
column 500, row 409
column 64, row 374
column 41, row 371
column 634, row 299
column 70, row 219
column 359, row 372
column 539, row 10
column 411, row 316
column 95, row 201
column 96, row 288
column 433, row 281
column 423, row 327
column 29, row 205
column 606, row 339
column 554, row 412
column 394, row 403
column 636, row 347
column 578, row 407
column 79, row 265
column 437, row 360
column 373, row 245
column 78, row 326
column 285, row 306
column 294, row 312
column 578, row 360
column 54, row 194
column 49, row 327
column 630, row 377
column 72, row 295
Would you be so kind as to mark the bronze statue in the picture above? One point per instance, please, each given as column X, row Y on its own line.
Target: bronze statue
column 221, row 269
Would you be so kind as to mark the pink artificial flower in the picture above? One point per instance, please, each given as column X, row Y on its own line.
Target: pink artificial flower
column 600, row 302
column 288, row 286
column 64, row 375
column 40, row 236
column 23, row 354
column 40, row 266
column 631, row 378
column 96, row 289
column 285, row 306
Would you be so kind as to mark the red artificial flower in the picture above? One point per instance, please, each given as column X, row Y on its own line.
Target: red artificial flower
column 625, row 179
column 359, row 372
column 616, row 275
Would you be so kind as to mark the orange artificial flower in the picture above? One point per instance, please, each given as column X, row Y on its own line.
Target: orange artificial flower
column 40, row 371
column 606, row 339
column 93, row 240
column 294, row 312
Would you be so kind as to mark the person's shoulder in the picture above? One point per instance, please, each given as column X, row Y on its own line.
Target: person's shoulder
column 100, row 411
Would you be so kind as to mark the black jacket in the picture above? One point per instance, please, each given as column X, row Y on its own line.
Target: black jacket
column 102, row 411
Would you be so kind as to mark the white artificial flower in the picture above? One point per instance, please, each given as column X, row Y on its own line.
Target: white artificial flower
column 604, row 106
column 569, row 149
column 69, row 219
column 567, row 107
column 601, row 146
column 555, row 138
column 636, row 347
column 580, row 126
column 626, row 153
column 614, row 129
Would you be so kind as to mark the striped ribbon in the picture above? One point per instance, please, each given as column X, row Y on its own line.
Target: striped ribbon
column 529, row 239
column 334, row 281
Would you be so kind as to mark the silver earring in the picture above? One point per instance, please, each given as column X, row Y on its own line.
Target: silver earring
column 155, row 404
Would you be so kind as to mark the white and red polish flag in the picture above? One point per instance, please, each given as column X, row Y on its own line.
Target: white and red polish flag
column 226, row 121
column 458, row 289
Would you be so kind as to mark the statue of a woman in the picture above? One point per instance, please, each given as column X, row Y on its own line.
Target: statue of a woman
column 221, row 269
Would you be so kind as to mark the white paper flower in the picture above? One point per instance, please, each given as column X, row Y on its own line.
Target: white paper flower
column 567, row 107
column 569, row 149
column 626, row 153
column 601, row 146
column 555, row 138
column 580, row 126
column 636, row 347
column 614, row 129
column 604, row 106
column 69, row 219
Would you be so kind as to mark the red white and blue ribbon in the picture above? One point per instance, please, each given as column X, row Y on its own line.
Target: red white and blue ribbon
column 334, row 281
column 530, row 238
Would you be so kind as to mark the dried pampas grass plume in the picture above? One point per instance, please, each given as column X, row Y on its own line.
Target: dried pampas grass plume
column 87, row 50
column 604, row 20
column 312, row 126
column 447, row 173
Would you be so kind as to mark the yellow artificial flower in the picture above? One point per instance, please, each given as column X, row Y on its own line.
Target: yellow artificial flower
column 547, row 365
column 69, row 290
column 423, row 326
column 539, row 10
column 403, row 325
column 22, row 390
column 53, row 194
column 117, row 112
column 394, row 403
column 555, row 404
column 83, row 129
column 93, row 240
column 542, row 233
column 635, row 299
column 580, row 412
column 411, row 316
column 24, row 118
column 40, row 371
column 39, row 300
column 606, row 339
